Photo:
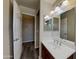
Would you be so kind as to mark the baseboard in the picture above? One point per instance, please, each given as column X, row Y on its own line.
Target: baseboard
column 28, row 41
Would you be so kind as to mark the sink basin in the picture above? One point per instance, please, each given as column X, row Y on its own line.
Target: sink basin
column 69, row 43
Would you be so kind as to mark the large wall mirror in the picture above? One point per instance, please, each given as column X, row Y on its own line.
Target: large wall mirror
column 68, row 24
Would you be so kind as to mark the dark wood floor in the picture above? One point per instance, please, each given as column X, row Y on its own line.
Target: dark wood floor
column 29, row 52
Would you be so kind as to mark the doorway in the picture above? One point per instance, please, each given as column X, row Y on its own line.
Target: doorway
column 27, row 28
column 28, row 32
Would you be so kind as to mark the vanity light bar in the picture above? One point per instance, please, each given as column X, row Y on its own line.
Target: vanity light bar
column 58, row 10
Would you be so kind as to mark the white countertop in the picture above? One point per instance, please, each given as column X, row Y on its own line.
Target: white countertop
column 60, row 52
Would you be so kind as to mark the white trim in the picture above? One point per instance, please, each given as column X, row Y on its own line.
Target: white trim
column 35, row 33
column 27, row 41
column 28, row 14
column 36, row 45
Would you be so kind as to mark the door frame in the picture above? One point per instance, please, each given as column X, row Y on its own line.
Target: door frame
column 11, row 29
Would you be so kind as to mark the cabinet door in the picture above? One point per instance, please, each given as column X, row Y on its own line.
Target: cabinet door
column 43, row 52
column 46, row 54
column 73, row 56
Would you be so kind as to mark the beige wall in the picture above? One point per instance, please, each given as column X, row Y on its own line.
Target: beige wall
column 6, row 46
column 71, row 24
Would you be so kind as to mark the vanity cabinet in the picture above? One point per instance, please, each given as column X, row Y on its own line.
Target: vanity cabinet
column 46, row 55
column 73, row 56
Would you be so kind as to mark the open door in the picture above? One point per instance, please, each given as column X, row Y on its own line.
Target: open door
column 17, row 31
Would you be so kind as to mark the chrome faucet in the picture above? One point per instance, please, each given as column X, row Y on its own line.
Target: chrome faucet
column 58, row 42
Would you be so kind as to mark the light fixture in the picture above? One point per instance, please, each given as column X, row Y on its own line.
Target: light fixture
column 52, row 12
column 57, row 9
column 46, row 17
column 60, row 9
column 65, row 3
column 59, row 12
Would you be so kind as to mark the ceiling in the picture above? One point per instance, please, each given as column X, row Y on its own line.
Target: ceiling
column 34, row 4
column 51, row 1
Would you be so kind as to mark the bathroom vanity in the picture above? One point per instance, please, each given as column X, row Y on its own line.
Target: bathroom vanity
column 45, row 53
column 50, row 51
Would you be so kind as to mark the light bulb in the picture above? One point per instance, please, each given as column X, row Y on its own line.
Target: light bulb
column 65, row 3
column 52, row 12
column 46, row 17
column 57, row 9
